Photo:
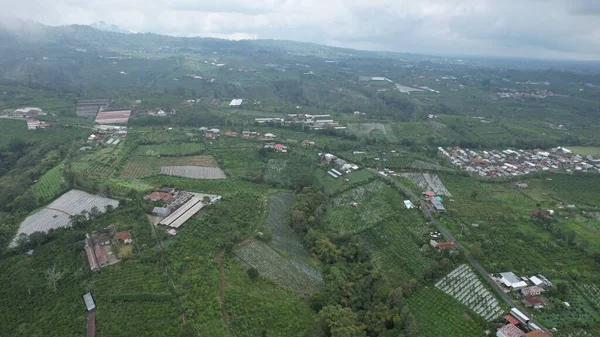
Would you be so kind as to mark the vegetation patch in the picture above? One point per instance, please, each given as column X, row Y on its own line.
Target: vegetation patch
column 289, row 273
column 141, row 166
column 50, row 185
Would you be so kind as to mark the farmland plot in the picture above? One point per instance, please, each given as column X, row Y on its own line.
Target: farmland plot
column 376, row 201
column 193, row 172
column 275, row 170
column 463, row 284
column 146, row 166
column 373, row 130
column 57, row 214
column 440, row 315
column 394, row 252
column 419, row 164
column 184, row 149
column 49, row 185
column 283, row 237
column 289, row 273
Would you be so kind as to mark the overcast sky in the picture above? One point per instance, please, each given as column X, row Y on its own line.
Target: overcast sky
column 522, row 28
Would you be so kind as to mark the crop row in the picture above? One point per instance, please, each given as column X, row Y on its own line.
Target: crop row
column 49, row 185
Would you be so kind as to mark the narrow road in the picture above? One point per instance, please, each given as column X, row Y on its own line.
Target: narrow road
column 451, row 238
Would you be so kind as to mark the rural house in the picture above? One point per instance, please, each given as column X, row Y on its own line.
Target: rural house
column 123, row 237
column 510, row 330
column 532, row 291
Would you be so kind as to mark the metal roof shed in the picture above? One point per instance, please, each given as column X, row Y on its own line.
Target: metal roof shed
column 89, row 301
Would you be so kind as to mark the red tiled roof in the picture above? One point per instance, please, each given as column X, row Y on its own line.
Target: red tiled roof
column 279, row 146
column 537, row 333
column 429, row 193
column 511, row 319
column 445, row 245
column 124, row 235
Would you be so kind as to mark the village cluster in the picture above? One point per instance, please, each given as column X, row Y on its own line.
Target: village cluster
column 505, row 163
column 343, row 166
column 314, row 122
column 514, row 93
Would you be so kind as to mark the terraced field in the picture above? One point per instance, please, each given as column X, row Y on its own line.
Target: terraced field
column 171, row 150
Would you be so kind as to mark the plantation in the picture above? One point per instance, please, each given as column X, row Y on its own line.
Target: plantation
column 439, row 314
column 333, row 186
column 394, row 247
column 374, row 130
column 290, row 273
column 50, row 185
column 283, row 239
column 376, row 200
column 463, row 284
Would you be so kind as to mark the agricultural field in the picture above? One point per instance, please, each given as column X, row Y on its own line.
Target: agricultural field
column 171, row 150
column 284, row 239
column 373, row 130
column 581, row 310
column 50, row 185
column 57, row 214
column 586, row 150
column 193, row 172
column 463, row 284
column 256, row 306
column 274, row 172
column 99, row 163
column 376, row 202
column 438, row 314
column 239, row 162
column 290, row 273
column 141, row 166
column 394, row 248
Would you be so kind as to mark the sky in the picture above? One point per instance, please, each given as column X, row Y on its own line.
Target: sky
column 558, row 29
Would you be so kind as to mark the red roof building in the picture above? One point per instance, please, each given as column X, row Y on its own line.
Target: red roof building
column 446, row 245
column 156, row 196
column 279, row 147
column 429, row 193
column 124, row 236
column 510, row 330
column 510, row 319
column 537, row 333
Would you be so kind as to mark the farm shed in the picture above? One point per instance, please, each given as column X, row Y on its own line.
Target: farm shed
column 160, row 211
column 536, row 280
column 510, row 330
column 408, row 204
column 333, row 174
column 437, row 205
column 536, row 302
column 186, row 211
column 532, row 291
column 89, row 302
column 89, row 250
column 519, row 315
column 510, row 280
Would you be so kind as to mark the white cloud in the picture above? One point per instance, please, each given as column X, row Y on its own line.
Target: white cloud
column 535, row 28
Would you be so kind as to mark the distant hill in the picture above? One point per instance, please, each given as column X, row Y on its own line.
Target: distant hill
column 108, row 27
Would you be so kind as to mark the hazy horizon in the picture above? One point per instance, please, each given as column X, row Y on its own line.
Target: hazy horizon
column 553, row 29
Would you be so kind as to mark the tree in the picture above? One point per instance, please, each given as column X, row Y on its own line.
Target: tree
column 337, row 321
column 474, row 194
column 562, row 288
column 53, row 276
column 477, row 250
column 253, row 273
column 396, row 298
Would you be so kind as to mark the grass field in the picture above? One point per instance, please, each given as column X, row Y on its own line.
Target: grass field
column 49, row 186
column 586, row 150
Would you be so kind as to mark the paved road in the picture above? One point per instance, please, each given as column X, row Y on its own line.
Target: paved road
column 450, row 237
